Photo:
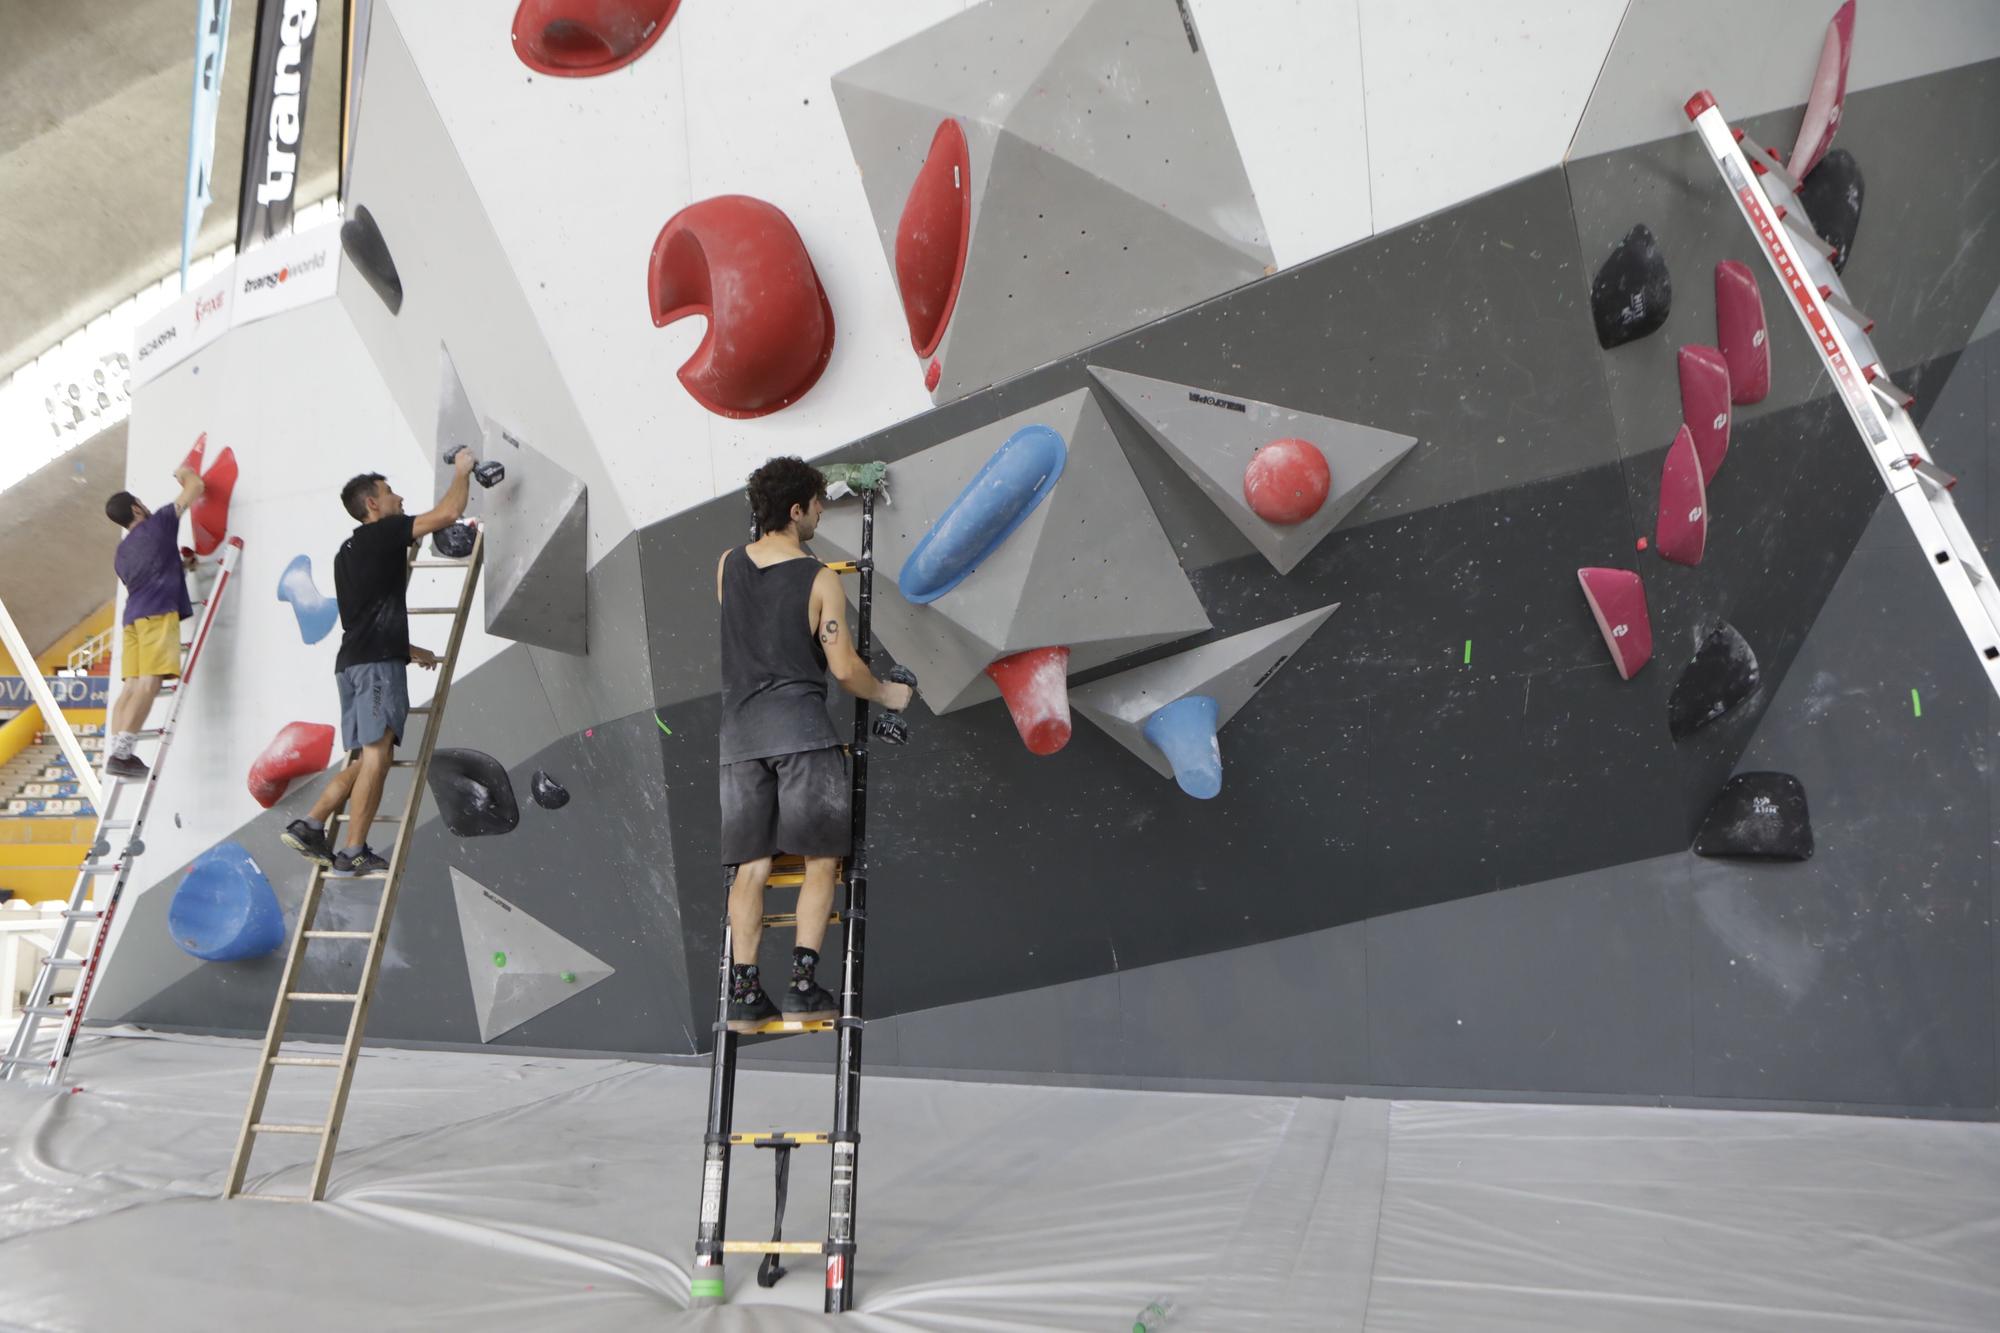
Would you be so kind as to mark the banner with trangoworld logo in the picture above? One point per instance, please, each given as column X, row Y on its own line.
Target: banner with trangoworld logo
column 275, row 128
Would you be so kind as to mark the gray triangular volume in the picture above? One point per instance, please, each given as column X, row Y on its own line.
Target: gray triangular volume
column 1212, row 437
column 519, row 967
column 457, row 423
column 537, row 540
column 1228, row 670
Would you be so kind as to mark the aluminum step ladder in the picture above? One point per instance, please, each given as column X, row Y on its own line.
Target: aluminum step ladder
column 1767, row 197
column 306, row 933
column 24, row 1060
column 851, row 915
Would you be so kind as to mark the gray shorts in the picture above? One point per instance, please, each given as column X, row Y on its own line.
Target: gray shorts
column 374, row 698
column 795, row 803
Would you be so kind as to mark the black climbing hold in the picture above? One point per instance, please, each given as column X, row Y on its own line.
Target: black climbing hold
column 901, row 675
column 1632, row 293
column 1831, row 194
column 1723, row 674
column 891, row 729
column 1761, row 815
column 362, row 241
column 489, row 474
column 474, row 795
column 454, row 542
column 548, row 793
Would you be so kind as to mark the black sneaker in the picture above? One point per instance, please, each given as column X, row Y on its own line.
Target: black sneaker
column 748, row 1013
column 363, row 862
column 308, row 842
column 126, row 766
column 811, row 1005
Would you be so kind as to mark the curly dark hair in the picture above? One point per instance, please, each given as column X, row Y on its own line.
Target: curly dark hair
column 778, row 485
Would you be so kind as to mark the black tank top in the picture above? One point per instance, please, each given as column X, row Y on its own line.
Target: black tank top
column 773, row 668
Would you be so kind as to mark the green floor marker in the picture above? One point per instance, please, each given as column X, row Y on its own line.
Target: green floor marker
column 570, row 977
column 1468, row 652
column 499, row 959
column 661, row 725
column 1916, row 704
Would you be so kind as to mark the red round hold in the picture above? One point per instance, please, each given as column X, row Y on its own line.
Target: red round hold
column 1286, row 481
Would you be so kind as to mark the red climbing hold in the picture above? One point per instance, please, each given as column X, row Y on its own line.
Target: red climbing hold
column 1617, row 598
column 1705, row 406
column 1035, row 685
column 932, row 237
column 932, row 374
column 580, row 38
column 1683, row 523
column 299, row 750
column 1741, row 333
column 210, row 516
column 1286, row 481
column 740, row 263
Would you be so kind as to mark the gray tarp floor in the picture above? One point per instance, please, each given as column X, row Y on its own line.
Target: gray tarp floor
column 499, row 1192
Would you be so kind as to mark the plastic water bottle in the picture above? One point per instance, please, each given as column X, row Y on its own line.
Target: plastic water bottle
column 1154, row 1317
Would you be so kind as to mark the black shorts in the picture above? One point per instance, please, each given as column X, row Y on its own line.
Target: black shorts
column 794, row 803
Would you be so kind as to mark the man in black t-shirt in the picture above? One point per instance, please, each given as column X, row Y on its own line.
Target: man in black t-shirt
column 370, row 575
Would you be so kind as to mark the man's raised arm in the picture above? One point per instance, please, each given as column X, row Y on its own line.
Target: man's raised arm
column 451, row 508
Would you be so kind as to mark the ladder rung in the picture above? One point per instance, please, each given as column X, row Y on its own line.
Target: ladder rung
column 348, row 877
column 305, row 1061
column 150, row 732
column 433, row 611
column 278, row 1198
column 780, row 1138
column 262, row 1128
column 326, row 996
column 83, row 914
column 792, row 919
column 40, row 1060
column 426, row 708
column 46, row 1010
column 64, row 962
column 790, row 1025
column 339, row 935
column 378, row 817
column 844, row 566
column 116, row 824
column 96, row 868
column 440, row 564
column 774, row 1247
column 403, row 763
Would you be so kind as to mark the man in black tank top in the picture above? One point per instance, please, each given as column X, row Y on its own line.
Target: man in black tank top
column 785, row 784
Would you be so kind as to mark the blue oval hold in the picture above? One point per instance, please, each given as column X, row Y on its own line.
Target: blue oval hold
column 1184, row 731
column 224, row 909
column 1018, row 477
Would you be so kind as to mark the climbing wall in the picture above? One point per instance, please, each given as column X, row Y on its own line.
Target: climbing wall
column 1255, row 379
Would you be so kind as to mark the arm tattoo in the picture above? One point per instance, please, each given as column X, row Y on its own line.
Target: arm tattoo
column 831, row 632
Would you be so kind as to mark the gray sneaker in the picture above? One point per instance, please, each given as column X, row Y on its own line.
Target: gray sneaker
column 363, row 862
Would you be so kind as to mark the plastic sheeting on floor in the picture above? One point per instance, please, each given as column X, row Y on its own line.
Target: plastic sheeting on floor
column 510, row 1193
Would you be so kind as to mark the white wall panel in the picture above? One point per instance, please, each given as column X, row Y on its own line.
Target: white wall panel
column 1289, row 72
column 1467, row 95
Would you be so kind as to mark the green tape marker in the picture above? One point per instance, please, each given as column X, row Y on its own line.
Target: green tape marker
column 663, row 727
column 499, row 959
column 1468, row 652
column 706, row 1288
column 1916, row 704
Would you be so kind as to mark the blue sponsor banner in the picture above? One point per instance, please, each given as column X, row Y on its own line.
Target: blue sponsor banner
column 69, row 691
column 211, row 43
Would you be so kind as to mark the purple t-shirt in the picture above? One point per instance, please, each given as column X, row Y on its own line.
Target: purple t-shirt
column 149, row 564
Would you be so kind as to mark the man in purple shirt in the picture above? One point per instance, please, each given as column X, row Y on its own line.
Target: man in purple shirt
column 149, row 565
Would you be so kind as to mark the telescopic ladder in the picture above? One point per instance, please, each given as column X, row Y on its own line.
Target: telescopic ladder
column 1767, row 197
column 23, row 1060
column 844, row 1139
column 305, row 933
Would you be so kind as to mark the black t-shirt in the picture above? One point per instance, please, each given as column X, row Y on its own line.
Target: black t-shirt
column 370, row 576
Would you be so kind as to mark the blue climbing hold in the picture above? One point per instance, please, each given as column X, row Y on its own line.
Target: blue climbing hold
column 316, row 611
column 999, row 499
column 224, row 909
column 1184, row 731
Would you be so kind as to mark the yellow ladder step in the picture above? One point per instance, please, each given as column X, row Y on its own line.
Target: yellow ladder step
column 790, row 1025
column 792, row 919
column 780, row 1138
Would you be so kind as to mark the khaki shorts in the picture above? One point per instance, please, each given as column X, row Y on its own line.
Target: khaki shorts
column 152, row 647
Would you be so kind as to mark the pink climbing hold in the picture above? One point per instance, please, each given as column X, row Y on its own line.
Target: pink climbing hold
column 1741, row 333
column 740, row 263
column 1286, row 481
column 1683, row 521
column 1617, row 599
column 1828, row 96
column 299, row 750
column 1035, row 685
column 1705, row 406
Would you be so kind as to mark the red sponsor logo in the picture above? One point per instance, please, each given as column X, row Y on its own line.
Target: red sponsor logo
column 206, row 306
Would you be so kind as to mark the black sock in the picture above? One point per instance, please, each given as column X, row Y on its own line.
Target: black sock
column 803, row 963
column 743, row 981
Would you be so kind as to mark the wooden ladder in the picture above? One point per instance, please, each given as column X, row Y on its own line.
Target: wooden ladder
column 273, row 1056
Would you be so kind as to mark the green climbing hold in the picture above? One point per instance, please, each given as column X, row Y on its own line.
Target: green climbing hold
column 842, row 478
column 499, row 958
column 569, row 977
column 661, row 725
